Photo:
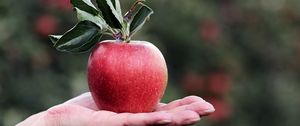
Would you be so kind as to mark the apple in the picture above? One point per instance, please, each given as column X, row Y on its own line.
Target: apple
column 210, row 31
column 123, row 75
column 64, row 5
column 45, row 24
column 219, row 83
column 127, row 77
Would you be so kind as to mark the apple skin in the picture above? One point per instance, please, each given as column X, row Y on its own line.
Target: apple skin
column 127, row 77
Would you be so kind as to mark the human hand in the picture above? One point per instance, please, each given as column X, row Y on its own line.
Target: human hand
column 82, row 111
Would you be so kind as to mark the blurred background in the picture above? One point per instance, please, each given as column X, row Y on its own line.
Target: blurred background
column 241, row 55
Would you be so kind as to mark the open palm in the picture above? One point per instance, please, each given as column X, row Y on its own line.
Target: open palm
column 82, row 111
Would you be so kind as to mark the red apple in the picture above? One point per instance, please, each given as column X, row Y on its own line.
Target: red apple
column 64, row 5
column 127, row 77
column 210, row 31
column 219, row 83
column 46, row 24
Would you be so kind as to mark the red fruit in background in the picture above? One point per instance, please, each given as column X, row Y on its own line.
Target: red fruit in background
column 219, row 83
column 49, row 2
column 45, row 25
column 64, row 5
column 193, row 83
column 127, row 77
column 60, row 4
column 223, row 110
column 210, row 30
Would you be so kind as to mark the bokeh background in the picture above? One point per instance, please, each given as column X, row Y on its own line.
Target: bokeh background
column 241, row 55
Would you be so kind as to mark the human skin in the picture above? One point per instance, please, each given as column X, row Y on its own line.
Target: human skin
column 82, row 111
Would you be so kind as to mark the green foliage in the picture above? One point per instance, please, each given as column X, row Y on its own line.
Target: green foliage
column 112, row 17
column 85, row 5
column 54, row 38
column 139, row 18
column 79, row 39
column 110, row 20
column 97, row 19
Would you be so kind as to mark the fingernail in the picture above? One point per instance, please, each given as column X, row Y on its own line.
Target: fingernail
column 166, row 121
column 206, row 112
column 209, row 111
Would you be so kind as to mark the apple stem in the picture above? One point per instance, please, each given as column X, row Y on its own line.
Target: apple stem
column 127, row 18
column 118, row 36
column 124, row 35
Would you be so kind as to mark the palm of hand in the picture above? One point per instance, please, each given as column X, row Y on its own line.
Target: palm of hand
column 82, row 111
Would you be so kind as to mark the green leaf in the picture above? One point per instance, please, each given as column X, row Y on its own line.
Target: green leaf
column 79, row 38
column 85, row 5
column 87, row 46
column 97, row 19
column 113, row 18
column 54, row 38
column 114, row 3
column 117, row 6
column 139, row 19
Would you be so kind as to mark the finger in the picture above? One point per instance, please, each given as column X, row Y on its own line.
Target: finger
column 186, row 117
column 159, row 105
column 143, row 119
column 180, row 102
column 201, row 108
column 85, row 100
column 149, row 118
